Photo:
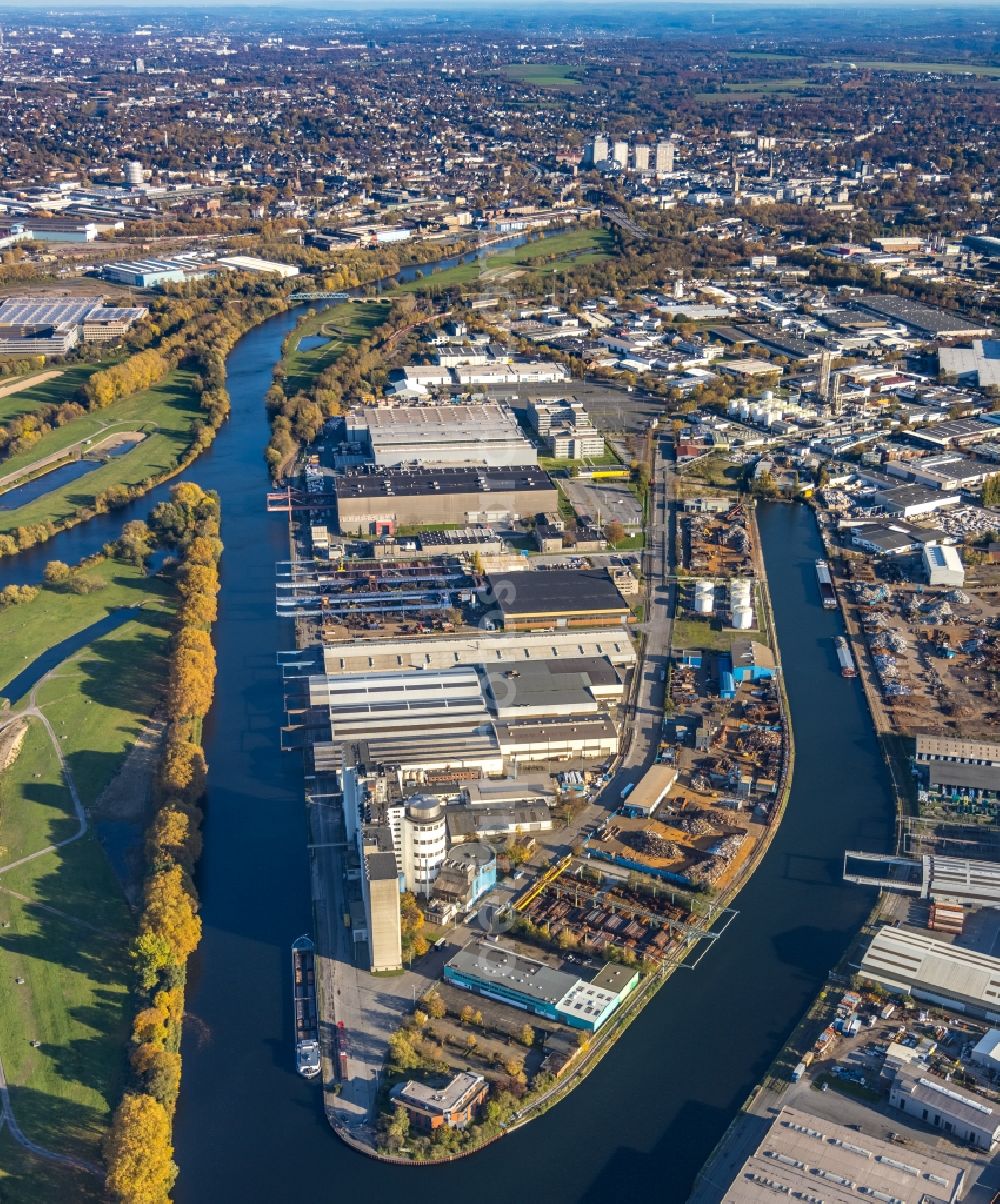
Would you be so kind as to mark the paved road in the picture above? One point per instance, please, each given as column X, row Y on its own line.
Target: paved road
column 644, row 730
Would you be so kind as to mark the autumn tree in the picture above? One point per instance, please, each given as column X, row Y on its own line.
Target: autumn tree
column 138, row 1152
column 183, row 772
column 170, row 912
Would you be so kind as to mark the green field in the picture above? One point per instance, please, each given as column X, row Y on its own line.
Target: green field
column 67, row 387
column 102, row 696
column 167, row 413
column 26, row 631
column 26, row 1179
column 544, row 75
column 345, row 324
column 714, row 469
column 701, row 633
column 69, row 932
column 756, row 89
column 557, row 253
column 979, row 69
column 66, row 939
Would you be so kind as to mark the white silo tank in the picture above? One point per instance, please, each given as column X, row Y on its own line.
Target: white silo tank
column 743, row 618
column 739, row 592
column 704, row 598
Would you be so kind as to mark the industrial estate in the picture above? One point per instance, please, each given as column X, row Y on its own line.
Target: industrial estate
column 500, row 605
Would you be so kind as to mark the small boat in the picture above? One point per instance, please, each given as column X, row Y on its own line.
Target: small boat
column 308, row 1061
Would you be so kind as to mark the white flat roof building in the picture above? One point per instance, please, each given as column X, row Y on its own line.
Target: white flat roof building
column 250, row 263
column 943, row 565
column 358, row 656
column 802, row 1157
column 485, row 433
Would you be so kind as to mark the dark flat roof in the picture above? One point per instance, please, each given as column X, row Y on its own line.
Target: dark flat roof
column 372, row 481
column 556, row 591
column 923, row 318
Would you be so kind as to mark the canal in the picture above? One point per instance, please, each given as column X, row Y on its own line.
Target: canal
column 248, row 1129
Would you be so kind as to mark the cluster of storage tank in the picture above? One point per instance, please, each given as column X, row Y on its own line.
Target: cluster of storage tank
column 741, row 603
column 704, row 598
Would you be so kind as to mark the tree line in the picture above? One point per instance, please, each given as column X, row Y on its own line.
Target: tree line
column 139, row 1152
column 356, row 376
column 196, row 333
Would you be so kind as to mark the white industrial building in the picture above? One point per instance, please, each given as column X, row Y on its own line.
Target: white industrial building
column 483, row 648
column 266, row 267
column 958, row 1114
column 420, row 721
column 943, row 565
column 808, row 1158
column 483, row 433
column 914, row 963
column 424, row 842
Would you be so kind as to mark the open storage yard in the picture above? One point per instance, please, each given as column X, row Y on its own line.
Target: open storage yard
column 935, row 652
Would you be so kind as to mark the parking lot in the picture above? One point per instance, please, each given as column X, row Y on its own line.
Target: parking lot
column 609, row 499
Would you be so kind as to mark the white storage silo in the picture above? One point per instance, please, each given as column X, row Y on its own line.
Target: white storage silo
column 742, row 618
column 704, row 598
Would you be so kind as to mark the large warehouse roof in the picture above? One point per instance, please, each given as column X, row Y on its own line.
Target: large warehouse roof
column 487, row 648
column 496, row 965
column 485, row 433
column 806, row 1158
column 916, row 963
column 976, row 883
column 556, row 592
column 376, row 482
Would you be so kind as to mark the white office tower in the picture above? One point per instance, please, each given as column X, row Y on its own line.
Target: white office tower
column 640, row 157
column 140, row 66
column 619, row 153
column 425, row 842
column 133, row 174
column 664, row 161
column 596, row 151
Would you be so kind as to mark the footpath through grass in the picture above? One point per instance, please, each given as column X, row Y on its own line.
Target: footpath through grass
column 68, row 386
column 167, row 413
column 346, row 325
column 69, row 926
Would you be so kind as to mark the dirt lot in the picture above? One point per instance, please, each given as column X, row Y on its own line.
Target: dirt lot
column 936, row 653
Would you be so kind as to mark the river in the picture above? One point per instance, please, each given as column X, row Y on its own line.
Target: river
column 248, row 1129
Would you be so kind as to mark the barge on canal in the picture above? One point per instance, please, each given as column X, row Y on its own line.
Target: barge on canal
column 307, row 1053
column 844, row 657
column 826, row 592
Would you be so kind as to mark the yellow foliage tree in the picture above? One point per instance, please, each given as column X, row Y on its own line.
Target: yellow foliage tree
column 170, row 912
column 138, row 1152
column 150, row 1026
column 184, row 769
